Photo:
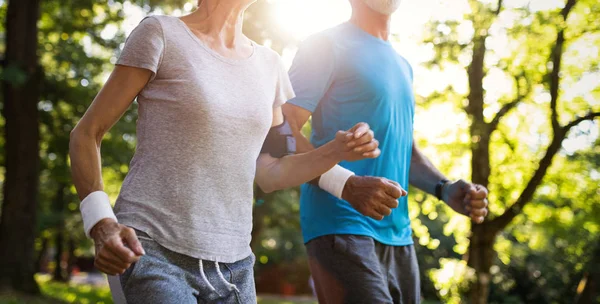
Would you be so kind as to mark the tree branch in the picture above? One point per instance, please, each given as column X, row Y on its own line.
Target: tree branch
column 576, row 121
column 559, row 131
column 511, row 105
column 560, row 134
column 503, row 111
column 555, row 78
column 567, row 9
column 556, row 59
column 502, row 221
column 499, row 7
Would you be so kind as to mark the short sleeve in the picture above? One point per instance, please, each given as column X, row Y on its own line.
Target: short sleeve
column 284, row 90
column 410, row 69
column 145, row 46
column 312, row 71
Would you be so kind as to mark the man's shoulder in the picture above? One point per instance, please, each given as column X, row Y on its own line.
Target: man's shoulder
column 334, row 31
column 326, row 37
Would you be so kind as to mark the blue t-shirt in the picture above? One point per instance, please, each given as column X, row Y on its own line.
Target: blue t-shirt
column 345, row 76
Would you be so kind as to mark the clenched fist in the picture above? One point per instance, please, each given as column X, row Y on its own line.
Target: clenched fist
column 374, row 197
column 468, row 199
column 117, row 247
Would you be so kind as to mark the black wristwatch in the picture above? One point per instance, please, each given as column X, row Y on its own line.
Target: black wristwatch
column 438, row 188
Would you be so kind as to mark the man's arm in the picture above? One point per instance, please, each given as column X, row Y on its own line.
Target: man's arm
column 289, row 171
column 465, row 198
column 371, row 196
column 423, row 174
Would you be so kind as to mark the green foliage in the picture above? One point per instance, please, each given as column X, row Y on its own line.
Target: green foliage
column 542, row 255
column 552, row 245
column 452, row 279
column 71, row 293
column 75, row 56
column 279, row 240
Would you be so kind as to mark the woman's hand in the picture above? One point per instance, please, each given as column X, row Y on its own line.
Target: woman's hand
column 117, row 247
column 357, row 143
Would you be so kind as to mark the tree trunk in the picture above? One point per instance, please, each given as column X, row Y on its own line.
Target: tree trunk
column 59, row 274
column 58, row 208
column 72, row 258
column 481, row 247
column 587, row 291
column 481, row 253
column 20, row 93
column 39, row 264
column 481, row 257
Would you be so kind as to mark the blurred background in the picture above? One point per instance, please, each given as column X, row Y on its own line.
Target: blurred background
column 507, row 96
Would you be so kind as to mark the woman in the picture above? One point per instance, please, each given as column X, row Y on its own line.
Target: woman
column 207, row 97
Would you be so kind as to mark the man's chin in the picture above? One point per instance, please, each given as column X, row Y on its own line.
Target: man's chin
column 384, row 7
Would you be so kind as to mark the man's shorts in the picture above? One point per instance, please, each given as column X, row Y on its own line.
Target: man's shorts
column 358, row 269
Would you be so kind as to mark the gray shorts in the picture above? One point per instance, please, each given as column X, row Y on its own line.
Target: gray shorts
column 164, row 276
column 358, row 269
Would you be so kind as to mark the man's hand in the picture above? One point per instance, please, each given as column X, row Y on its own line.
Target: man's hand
column 117, row 247
column 374, row 197
column 357, row 143
column 468, row 199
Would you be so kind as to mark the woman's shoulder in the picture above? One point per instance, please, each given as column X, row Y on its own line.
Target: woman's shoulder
column 267, row 53
column 158, row 22
column 163, row 18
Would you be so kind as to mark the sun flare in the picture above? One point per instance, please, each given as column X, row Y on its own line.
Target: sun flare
column 302, row 18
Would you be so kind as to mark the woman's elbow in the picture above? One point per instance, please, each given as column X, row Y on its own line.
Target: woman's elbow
column 74, row 137
column 80, row 135
column 268, row 174
column 267, row 186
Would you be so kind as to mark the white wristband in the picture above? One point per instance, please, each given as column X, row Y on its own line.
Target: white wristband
column 94, row 208
column 334, row 180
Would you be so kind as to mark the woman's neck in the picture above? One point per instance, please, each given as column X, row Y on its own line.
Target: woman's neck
column 219, row 23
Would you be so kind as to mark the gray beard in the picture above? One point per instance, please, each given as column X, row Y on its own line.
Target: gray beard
column 386, row 7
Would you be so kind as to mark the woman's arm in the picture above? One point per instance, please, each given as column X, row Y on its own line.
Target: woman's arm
column 112, row 101
column 279, row 173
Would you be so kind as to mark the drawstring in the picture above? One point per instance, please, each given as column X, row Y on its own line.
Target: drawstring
column 204, row 276
column 231, row 286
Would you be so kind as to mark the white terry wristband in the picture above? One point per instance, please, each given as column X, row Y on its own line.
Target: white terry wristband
column 94, row 208
column 334, row 180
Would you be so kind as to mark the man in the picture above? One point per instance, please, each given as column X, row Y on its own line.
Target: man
column 356, row 226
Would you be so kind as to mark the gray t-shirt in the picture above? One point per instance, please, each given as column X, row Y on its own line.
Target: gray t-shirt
column 202, row 122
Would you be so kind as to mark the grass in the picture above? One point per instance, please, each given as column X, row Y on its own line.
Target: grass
column 25, row 299
column 61, row 293
column 278, row 300
column 71, row 293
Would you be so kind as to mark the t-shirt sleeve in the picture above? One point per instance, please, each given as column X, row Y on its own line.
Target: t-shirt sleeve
column 144, row 47
column 312, row 72
column 410, row 69
column 284, row 90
